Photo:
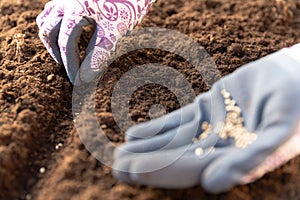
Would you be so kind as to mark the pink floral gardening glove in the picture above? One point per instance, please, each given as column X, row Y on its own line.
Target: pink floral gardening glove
column 61, row 25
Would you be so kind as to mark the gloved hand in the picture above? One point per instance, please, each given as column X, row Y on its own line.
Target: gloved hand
column 239, row 130
column 61, row 25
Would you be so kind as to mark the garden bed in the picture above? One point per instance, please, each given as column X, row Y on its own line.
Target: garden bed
column 41, row 155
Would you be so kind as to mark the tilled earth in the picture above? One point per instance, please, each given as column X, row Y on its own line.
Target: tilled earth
column 41, row 155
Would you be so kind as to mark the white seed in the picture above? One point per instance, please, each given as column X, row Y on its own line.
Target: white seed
column 199, row 151
column 205, row 125
column 229, row 108
column 104, row 126
column 223, row 91
column 203, row 136
column 232, row 102
column 42, row 170
column 226, row 95
column 28, row 197
column 233, row 126
column 58, row 146
column 227, row 101
column 219, row 127
column 210, row 150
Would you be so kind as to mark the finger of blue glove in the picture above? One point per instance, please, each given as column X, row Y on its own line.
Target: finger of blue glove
column 275, row 103
column 162, row 124
column 68, row 41
column 207, row 107
column 173, row 138
column 178, row 128
column 49, row 31
column 175, row 168
column 267, row 93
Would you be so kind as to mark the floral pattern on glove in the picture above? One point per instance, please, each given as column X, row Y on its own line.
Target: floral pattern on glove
column 60, row 24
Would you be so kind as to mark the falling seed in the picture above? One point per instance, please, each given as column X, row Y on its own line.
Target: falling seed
column 42, row 170
column 199, row 151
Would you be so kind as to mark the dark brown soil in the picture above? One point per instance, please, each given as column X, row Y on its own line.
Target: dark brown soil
column 36, row 97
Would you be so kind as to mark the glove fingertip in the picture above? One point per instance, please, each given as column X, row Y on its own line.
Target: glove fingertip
column 93, row 64
column 218, row 178
column 53, row 38
column 119, row 152
column 121, row 176
column 210, row 185
column 121, row 170
column 86, row 71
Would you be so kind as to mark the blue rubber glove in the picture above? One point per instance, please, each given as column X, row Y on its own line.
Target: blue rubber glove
column 225, row 137
column 61, row 24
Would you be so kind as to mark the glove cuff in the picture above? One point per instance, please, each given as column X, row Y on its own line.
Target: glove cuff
column 289, row 150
